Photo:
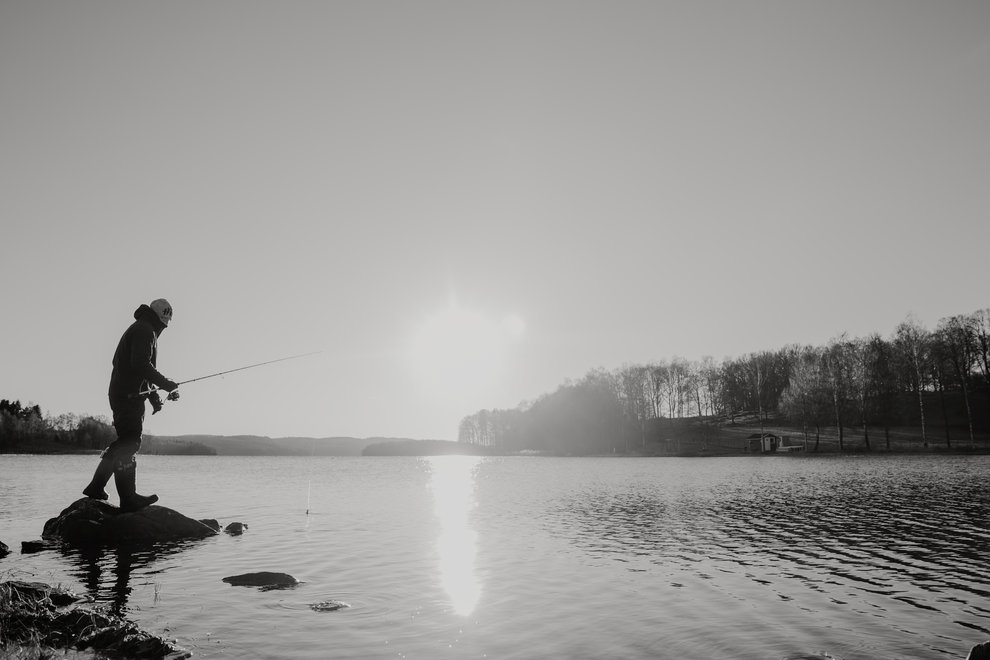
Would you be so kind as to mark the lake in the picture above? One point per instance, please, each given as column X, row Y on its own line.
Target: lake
column 852, row 558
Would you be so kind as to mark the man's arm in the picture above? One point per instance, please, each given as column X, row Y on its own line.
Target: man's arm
column 142, row 352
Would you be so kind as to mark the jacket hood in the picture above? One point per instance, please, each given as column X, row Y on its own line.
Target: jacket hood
column 145, row 313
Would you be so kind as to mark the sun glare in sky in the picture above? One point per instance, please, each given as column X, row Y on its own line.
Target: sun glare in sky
column 460, row 349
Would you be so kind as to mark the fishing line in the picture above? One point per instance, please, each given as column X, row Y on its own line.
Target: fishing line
column 309, row 486
column 230, row 371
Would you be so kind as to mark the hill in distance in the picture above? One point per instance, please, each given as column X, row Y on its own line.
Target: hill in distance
column 256, row 445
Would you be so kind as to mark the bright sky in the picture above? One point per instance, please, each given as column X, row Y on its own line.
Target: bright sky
column 463, row 204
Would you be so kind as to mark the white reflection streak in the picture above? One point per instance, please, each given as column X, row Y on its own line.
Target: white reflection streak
column 452, row 483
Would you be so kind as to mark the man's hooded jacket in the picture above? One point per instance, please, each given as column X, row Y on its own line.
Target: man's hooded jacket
column 134, row 361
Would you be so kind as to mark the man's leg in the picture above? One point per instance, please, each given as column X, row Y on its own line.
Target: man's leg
column 104, row 470
column 125, row 476
column 128, row 419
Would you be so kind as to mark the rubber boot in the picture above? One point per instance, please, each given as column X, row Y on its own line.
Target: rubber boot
column 125, row 476
column 95, row 489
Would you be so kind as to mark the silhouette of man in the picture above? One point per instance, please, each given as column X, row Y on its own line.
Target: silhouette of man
column 134, row 371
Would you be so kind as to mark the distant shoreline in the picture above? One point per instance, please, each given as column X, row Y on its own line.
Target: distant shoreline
column 412, row 452
column 680, row 437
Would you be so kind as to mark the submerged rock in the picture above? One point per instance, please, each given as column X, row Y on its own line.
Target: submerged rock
column 35, row 613
column 95, row 522
column 235, row 528
column 264, row 579
column 4, row 550
column 329, row 606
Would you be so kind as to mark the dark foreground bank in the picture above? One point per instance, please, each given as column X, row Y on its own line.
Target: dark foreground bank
column 37, row 616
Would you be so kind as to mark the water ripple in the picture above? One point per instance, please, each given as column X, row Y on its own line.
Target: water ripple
column 876, row 538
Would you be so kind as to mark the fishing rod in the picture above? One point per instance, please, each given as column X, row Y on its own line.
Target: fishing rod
column 172, row 395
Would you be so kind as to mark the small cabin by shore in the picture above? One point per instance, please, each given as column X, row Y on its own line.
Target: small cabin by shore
column 765, row 443
column 771, row 443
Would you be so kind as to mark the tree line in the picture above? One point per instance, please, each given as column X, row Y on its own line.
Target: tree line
column 23, row 425
column 23, row 428
column 931, row 380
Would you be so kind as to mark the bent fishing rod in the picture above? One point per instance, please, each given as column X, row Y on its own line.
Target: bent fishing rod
column 173, row 395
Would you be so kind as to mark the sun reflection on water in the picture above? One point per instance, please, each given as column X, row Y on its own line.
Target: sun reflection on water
column 452, row 483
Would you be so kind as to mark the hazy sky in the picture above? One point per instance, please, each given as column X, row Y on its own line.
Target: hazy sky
column 464, row 204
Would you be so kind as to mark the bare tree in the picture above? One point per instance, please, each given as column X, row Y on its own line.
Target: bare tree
column 860, row 377
column 633, row 381
column 711, row 374
column 981, row 332
column 655, row 387
column 882, row 385
column 940, row 370
column 468, row 432
column 695, row 385
column 679, row 385
column 805, row 397
column 837, row 360
column 958, row 337
column 912, row 342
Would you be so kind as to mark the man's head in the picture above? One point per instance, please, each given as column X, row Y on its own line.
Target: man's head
column 162, row 309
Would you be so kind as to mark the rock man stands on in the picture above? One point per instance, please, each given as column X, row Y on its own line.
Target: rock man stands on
column 134, row 370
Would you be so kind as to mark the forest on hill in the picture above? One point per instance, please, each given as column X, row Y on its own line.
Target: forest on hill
column 863, row 392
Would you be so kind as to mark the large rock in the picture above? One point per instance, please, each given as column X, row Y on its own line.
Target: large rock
column 94, row 522
column 979, row 652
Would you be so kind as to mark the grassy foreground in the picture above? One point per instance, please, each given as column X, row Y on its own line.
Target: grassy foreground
column 38, row 621
column 39, row 652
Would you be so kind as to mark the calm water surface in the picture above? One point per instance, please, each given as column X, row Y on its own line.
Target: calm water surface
column 464, row 557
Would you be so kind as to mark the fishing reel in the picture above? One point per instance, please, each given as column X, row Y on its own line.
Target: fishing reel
column 156, row 400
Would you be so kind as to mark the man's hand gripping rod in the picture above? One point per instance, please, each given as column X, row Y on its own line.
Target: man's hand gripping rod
column 156, row 402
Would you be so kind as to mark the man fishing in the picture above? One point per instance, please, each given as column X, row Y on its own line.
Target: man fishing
column 134, row 371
